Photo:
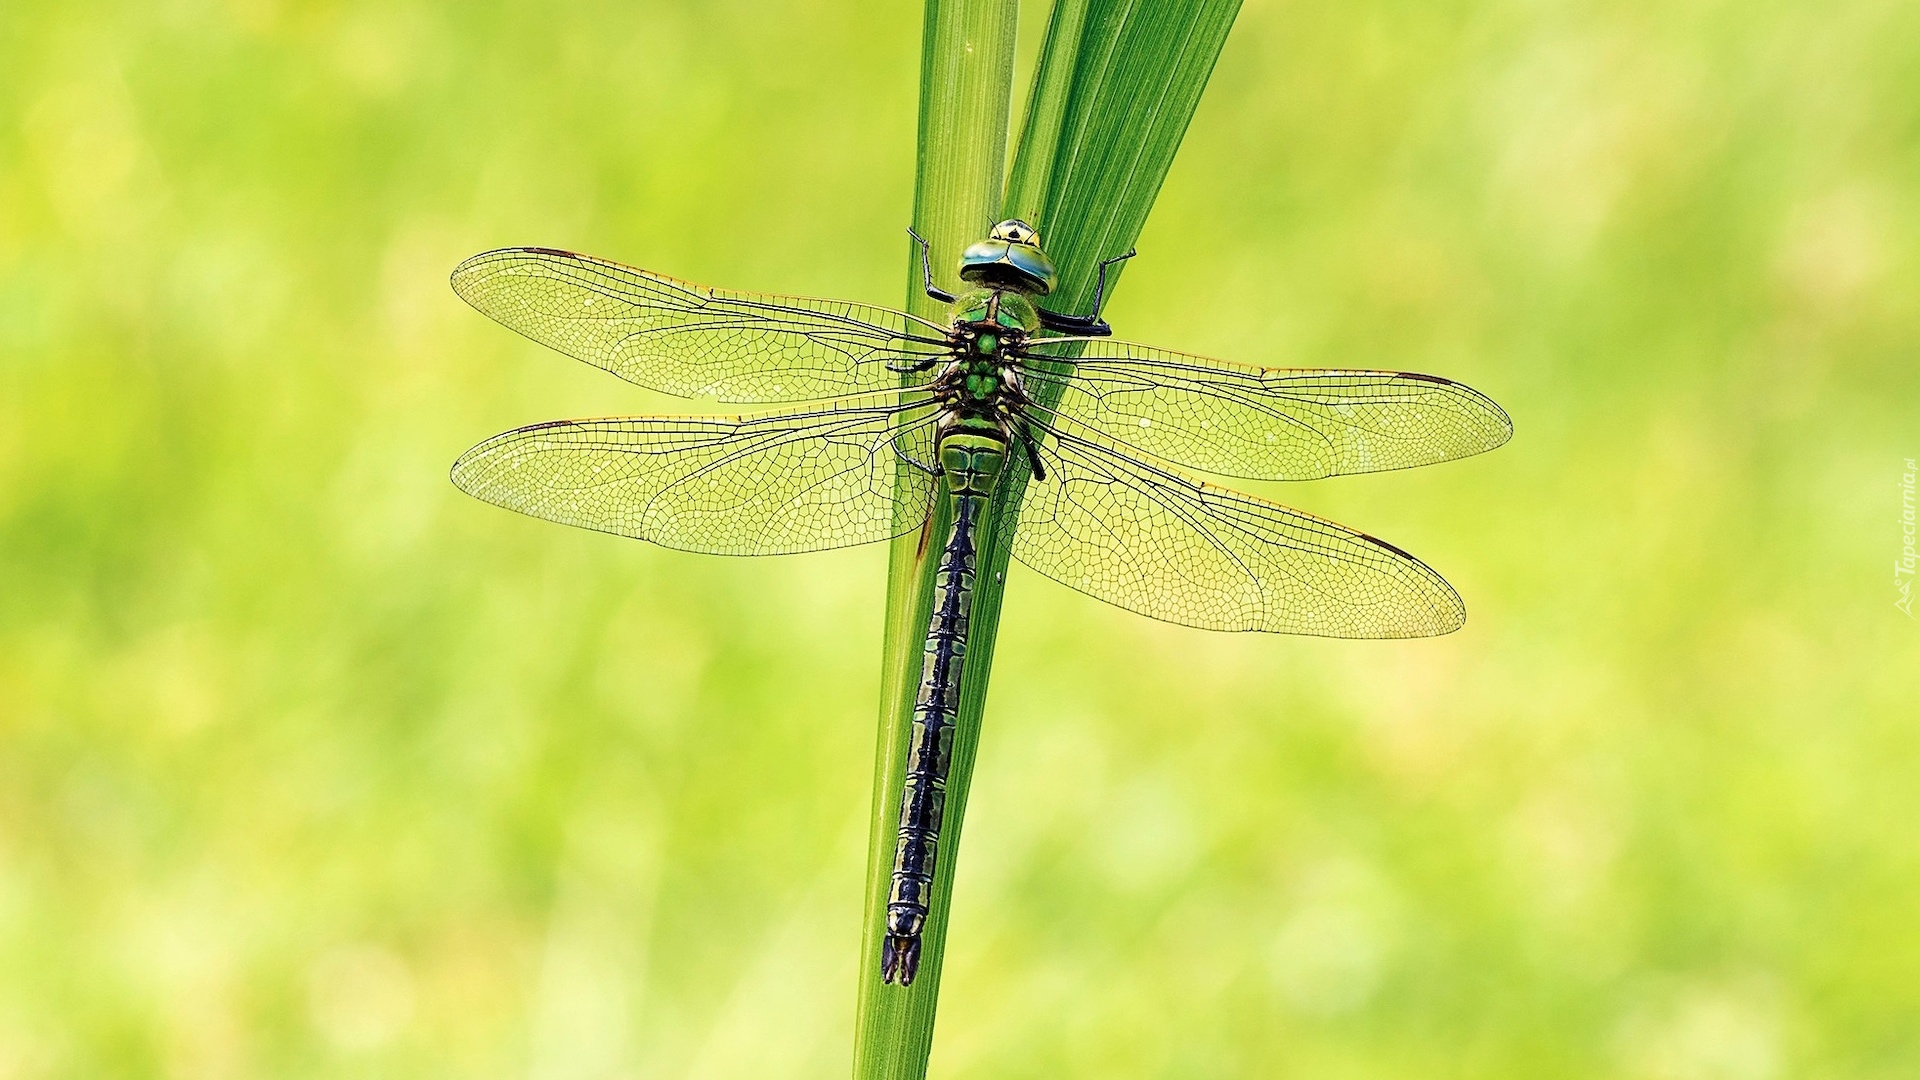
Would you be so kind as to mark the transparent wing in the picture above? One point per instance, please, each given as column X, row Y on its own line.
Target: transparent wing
column 1161, row 544
column 1269, row 423
column 754, row 485
column 690, row 340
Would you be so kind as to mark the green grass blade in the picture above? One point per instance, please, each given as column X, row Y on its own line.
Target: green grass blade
column 1114, row 90
column 1137, row 69
column 966, row 83
column 1109, row 127
column 1053, row 80
column 1117, row 84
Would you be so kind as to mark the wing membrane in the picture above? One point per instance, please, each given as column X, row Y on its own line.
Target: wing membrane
column 1270, row 423
column 757, row 485
column 690, row 340
column 1161, row 544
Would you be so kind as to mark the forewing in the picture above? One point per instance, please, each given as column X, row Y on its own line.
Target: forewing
column 1161, row 544
column 690, row 340
column 755, row 485
column 1270, row 423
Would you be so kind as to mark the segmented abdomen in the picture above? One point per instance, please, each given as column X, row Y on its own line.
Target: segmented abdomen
column 923, row 797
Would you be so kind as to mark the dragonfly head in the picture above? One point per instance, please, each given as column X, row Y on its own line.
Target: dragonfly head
column 1009, row 258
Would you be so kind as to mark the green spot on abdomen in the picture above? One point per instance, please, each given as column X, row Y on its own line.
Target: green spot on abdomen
column 972, row 462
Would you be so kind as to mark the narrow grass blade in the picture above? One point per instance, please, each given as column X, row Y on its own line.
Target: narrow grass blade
column 1110, row 107
column 1108, row 129
column 966, row 84
column 1117, row 83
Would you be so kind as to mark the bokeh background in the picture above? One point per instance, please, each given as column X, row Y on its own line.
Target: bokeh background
column 311, row 766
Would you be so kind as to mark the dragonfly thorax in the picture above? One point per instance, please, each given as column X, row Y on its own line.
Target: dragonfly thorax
column 979, row 385
column 989, row 330
column 1000, row 312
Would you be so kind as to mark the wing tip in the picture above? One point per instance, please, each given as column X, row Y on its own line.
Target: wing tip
column 473, row 268
column 1451, row 620
column 465, row 471
column 462, row 472
column 1503, row 420
column 1502, row 426
column 1447, row 611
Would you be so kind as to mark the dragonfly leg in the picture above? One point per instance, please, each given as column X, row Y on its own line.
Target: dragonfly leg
column 1089, row 325
column 914, row 368
column 926, row 269
column 902, row 454
column 1033, row 450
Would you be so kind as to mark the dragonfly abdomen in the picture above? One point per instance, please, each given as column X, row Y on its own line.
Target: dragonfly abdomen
column 971, row 459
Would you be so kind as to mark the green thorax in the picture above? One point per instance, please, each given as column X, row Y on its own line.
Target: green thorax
column 985, row 310
column 987, row 324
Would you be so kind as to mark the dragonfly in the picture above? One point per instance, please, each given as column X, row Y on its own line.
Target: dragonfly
column 890, row 416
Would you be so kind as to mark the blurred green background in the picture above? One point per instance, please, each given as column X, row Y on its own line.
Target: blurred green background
column 311, row 766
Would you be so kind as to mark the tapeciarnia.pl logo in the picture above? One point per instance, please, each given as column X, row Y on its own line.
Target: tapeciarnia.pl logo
column 1903, row 566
